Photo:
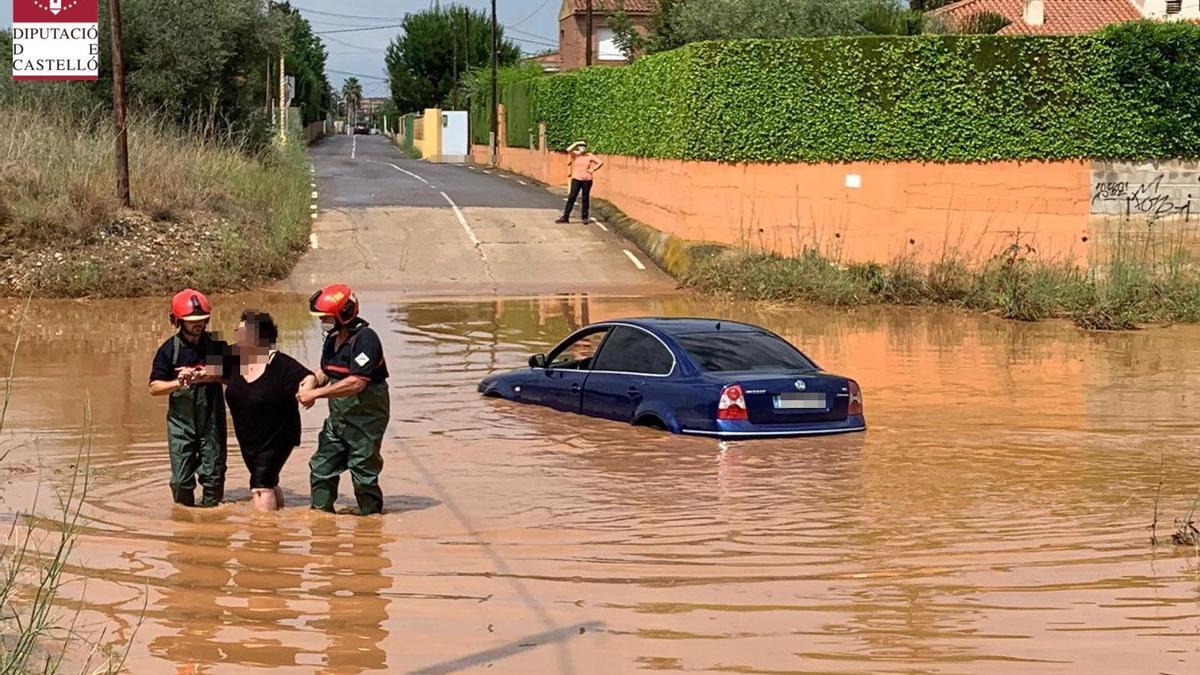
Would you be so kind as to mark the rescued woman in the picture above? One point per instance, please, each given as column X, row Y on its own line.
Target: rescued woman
column 262, row 401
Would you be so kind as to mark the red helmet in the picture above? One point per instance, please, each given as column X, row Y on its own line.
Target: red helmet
column 189, row 305
column 336, row 300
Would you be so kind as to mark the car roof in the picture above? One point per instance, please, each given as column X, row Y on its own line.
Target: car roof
column 688, row 325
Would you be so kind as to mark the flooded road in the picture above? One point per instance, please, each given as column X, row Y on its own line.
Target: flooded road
column 993, row 519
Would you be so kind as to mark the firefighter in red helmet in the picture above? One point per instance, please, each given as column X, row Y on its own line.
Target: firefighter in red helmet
column 188, row 367
column 353, row 376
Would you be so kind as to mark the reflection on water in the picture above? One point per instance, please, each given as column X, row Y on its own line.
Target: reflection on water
column 992, row 520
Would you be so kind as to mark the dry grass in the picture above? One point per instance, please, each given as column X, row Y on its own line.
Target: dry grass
column 1149, row 273
column 205, row 211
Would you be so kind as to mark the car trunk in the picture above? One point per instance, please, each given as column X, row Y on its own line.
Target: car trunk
column 813, row 397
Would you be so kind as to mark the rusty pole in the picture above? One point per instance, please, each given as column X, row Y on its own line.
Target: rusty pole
column 588, row 59
column 121, row 151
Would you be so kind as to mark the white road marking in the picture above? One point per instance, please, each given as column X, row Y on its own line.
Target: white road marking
column 522, row 182
column 314, row 194
column 601, row 226
column 633, row 258
column 312, row 240
column 406, row 171
column 462, row 220
column 312, row 207
column 353, row 147
column 487, row 172
column 314, row 215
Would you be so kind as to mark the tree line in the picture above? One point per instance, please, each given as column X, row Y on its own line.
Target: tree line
column 203, row 65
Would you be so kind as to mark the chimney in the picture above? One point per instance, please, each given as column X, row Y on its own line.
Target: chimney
column 1035, row 13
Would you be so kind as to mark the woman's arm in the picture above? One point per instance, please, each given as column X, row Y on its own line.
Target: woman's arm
column 347, row 386
column 308, row 383
column 597, row 164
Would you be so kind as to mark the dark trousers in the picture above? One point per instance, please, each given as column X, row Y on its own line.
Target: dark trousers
column 577, row 186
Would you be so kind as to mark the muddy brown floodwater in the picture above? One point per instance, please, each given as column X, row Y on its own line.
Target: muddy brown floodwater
column 993, row 519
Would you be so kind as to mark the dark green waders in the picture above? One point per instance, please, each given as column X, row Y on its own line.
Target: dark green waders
column 197, row 441
column 351, row 439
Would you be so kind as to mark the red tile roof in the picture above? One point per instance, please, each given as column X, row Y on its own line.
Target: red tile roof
column 609, row 6
column 1063, row 17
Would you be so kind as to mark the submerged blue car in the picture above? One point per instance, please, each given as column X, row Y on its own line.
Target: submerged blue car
column 705, row 377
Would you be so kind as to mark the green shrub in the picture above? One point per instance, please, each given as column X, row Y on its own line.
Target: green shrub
column 1130, row 92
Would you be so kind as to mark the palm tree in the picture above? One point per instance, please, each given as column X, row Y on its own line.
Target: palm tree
column 352, row 94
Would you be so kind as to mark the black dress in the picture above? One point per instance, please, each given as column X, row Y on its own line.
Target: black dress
column 266, row 417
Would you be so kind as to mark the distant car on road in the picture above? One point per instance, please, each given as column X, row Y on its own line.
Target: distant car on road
column 704, row 377
column 362, row 127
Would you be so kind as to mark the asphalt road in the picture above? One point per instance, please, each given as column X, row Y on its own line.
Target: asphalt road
column 414, row 228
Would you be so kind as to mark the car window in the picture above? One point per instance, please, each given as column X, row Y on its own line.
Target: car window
column 577, row 355
column 631, row 350
column 737, row 351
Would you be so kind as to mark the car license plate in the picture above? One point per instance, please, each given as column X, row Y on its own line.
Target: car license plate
column 800, row 402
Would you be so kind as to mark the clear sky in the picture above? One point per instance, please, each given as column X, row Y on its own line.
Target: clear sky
column 532, row 24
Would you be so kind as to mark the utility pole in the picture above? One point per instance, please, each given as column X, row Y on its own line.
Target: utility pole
column 495, row 89
column 121, row 152
column 588, row 59
column 282, row 103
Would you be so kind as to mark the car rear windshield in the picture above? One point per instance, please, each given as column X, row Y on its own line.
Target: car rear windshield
column 716, row 352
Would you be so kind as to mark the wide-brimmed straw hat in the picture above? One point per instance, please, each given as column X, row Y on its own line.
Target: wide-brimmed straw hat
column 576, row 144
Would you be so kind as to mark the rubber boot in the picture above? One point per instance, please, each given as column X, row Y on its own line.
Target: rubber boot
column 184, row 496
column 212, row 496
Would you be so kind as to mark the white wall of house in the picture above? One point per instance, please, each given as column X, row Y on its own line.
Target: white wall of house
column 1164, row 9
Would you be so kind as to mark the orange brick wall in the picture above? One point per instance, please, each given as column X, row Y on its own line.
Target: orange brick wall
column 902, row 208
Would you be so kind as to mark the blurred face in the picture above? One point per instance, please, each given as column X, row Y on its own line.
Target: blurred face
column 328, row 323
column 247, row 337
column 581, row 150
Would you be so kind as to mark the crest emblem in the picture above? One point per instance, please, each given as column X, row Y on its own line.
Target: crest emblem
column 55, row 6
column 800, row 386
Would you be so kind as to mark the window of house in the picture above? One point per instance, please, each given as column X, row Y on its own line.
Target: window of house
column 608, row 50
column 1174, row 6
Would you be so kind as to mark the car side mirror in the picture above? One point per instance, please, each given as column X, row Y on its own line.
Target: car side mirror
column 537, row 361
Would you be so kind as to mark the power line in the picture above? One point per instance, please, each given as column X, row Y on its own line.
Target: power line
column 352, row 45
column 533, row 14
column 535, row 42
column 349, row 16
column 358, row 30
column 346, row 72
column 532, row 35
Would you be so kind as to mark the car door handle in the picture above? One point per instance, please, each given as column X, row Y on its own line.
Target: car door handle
column 574, row 388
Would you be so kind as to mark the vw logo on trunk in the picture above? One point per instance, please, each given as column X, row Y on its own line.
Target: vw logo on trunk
column 800, row 386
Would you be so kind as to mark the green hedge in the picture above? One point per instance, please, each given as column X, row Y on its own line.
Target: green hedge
column 1131, row 91
column 518, row 118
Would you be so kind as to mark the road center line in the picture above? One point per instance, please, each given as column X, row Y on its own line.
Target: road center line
column 522, row 182
column 463, row 221
column 353, row 147
column 406, row 171
column 633, row 258
column 601, row 226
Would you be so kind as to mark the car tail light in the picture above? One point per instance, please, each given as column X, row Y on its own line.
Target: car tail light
column 733, row 404
column 856, row 402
